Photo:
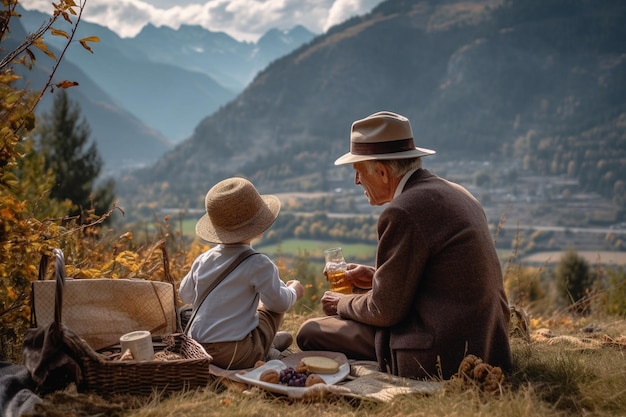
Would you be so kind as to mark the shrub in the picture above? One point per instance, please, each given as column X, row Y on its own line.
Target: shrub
column 574, row 280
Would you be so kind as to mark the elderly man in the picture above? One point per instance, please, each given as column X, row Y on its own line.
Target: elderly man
column 436, row 293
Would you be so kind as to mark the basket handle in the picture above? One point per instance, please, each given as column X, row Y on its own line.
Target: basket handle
column 168, row 276
column 59, row 271
column 166, row 261
column 60, row 277
column 43, row 265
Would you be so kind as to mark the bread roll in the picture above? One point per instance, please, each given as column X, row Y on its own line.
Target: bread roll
column 270, row 375
column 314, row 379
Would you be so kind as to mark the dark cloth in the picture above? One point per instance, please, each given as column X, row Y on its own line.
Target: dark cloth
column 17, row 390
column 354, row 339
column 437, row 293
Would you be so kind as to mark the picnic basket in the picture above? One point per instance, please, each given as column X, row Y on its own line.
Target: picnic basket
column 180, row 362
column 164, row 376
column 100, row 310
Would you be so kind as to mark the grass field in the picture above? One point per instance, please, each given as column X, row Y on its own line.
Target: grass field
column 361, row 252
column 186, row 226
column 548, row 380
column 315, row 249
column 577, row 368
column 294, row 247
column 592, row 257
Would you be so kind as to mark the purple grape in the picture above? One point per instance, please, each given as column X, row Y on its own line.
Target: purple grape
column 290, row 377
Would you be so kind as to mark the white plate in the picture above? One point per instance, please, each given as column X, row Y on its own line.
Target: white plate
column 252, row 378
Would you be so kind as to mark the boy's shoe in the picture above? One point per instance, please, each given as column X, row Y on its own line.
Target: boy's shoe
column 274, row 354
column 282, row 341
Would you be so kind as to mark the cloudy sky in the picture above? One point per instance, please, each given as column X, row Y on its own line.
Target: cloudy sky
column 244, row 20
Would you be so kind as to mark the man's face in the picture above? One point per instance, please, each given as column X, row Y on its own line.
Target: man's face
column 375, row 184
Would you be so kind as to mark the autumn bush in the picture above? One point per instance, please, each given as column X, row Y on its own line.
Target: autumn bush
column 31, row 224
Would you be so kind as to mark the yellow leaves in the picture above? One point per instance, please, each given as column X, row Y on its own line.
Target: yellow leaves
column 39, row 44
column 32, row 269
column 57, row 32
column 84, row 41
column 68, row 3
column 87, row 47
column 8, row 78
column 9, row 179
column 11, row 293
column 128, row 260
column 125, row 264
column 84, row 273
column 63, row 8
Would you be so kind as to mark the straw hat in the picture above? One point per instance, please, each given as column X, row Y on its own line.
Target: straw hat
column 235, row 212
column 382, row 135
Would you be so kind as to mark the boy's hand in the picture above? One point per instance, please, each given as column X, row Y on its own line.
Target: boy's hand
column 295, row 284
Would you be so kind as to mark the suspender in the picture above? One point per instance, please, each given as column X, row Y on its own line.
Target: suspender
column 245, row 254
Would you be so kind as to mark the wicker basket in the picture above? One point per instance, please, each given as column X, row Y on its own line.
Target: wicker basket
column 143, row 378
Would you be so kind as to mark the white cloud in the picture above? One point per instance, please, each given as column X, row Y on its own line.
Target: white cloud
column 241, row 19
column 342, row 10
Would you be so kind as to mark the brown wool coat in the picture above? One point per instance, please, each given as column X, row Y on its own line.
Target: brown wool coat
column 438, row 289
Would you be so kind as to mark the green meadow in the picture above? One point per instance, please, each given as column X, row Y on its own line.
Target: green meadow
column 315, row 249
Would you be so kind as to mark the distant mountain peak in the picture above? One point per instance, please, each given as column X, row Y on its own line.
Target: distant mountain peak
column 296, row 35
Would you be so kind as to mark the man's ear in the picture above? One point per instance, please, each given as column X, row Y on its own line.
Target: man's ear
column 383, row 171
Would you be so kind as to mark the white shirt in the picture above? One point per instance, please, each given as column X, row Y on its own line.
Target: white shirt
column 229, row 312
column 403, row 181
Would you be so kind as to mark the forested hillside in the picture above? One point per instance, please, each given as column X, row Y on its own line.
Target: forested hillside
column 538, row 80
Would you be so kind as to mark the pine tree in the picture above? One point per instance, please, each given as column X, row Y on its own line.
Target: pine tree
column 63, row 140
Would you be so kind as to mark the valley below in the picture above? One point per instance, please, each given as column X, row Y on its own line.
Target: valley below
column 533, row 218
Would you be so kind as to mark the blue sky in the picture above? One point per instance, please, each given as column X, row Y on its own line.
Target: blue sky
column 244, row 20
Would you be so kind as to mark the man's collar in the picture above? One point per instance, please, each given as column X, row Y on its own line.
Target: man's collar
column 403, row 181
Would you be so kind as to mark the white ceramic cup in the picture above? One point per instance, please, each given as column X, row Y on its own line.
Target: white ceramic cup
column 140, row 345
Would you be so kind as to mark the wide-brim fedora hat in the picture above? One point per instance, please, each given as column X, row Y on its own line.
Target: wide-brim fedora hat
column 382, row 135
column 236, row 212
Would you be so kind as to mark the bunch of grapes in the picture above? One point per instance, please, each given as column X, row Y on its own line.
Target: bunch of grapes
column 290, row 377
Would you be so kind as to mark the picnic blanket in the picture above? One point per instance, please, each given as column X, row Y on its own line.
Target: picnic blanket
column 17, row 388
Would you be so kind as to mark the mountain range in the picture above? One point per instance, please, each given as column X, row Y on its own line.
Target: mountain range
column 123, row 140
column 163, row 80
column 540, row 80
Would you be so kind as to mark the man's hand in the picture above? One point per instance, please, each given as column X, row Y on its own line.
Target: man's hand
column 360, row 276
column 330, row 300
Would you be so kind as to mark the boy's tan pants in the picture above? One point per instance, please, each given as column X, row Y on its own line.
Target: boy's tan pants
column 255, row 346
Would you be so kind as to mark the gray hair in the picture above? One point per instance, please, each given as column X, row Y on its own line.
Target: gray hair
column 397, row 167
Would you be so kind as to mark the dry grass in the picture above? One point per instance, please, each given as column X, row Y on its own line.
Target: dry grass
column 551, row 378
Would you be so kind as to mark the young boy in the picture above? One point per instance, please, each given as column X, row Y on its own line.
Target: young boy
column 238, row 321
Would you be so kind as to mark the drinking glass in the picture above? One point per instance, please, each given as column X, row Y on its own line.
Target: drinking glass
column 336, row 271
